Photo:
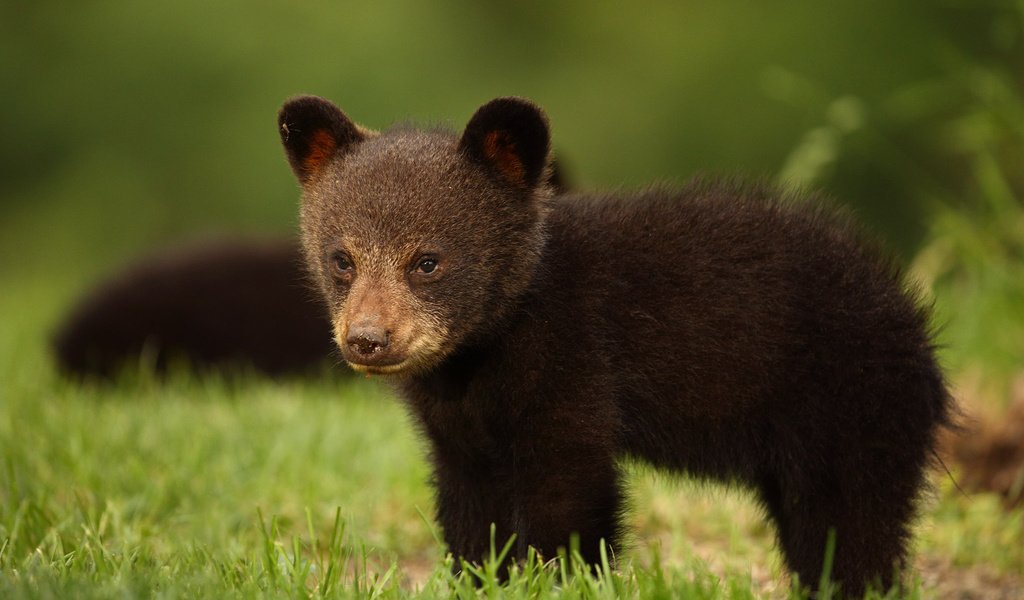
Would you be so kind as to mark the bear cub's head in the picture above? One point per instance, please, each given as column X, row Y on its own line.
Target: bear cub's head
column 420, row 241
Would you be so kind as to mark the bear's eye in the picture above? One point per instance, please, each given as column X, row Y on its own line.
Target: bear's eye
column 426, row 265
column 341, row 264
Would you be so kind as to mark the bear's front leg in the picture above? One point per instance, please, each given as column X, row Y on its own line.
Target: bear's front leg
column 566, row 485
column 468, row 503
column 546, row 491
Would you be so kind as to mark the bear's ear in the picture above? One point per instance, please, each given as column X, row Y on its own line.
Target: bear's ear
column 511, row 136
column 313, row 130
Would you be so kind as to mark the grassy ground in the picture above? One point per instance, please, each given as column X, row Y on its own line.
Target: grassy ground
column 214, row 487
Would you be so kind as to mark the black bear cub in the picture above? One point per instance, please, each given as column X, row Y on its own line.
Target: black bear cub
column 722, row 331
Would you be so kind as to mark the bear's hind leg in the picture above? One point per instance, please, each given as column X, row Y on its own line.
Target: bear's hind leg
column 871, row 529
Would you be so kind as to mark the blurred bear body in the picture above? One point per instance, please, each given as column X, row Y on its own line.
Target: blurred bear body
column 723, row 331
column 216, row 305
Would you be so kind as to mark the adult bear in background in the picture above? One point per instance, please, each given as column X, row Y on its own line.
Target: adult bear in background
column 724, row 331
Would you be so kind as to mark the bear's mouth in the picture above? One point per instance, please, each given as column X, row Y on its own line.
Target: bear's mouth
column 398, row 359
column 379, row 369
column 378, row 363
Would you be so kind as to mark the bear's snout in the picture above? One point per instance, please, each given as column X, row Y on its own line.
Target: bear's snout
column 367, row 339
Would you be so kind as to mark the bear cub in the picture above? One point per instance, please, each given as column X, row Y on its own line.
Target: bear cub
column 723, row 331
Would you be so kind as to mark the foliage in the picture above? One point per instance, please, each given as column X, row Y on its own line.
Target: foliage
column 951, row 144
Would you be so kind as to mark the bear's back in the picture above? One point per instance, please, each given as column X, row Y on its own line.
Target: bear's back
column 718, row 310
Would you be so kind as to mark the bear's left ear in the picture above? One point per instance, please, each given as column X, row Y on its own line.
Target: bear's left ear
column 313, row 130
column 511, row 136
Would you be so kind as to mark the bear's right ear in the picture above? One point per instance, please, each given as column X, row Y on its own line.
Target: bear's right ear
column 313, row 130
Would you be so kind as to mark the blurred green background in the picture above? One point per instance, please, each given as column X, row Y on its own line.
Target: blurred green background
column 128, row 125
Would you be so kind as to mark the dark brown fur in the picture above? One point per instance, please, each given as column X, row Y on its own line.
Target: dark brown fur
column 724, row 331
column 222, row 305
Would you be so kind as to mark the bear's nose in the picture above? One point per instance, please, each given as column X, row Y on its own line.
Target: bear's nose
column 367, row 339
